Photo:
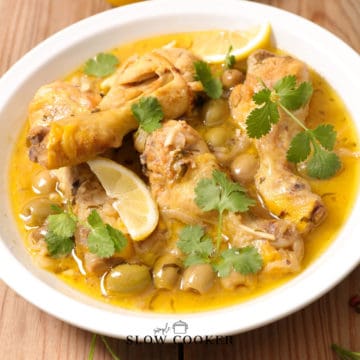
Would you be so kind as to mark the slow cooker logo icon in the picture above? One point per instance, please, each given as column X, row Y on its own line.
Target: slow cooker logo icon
column 180, row 327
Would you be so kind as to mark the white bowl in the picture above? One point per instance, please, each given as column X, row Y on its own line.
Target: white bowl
column 66, row 50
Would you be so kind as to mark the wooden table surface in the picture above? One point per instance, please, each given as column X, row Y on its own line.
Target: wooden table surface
column 28, row 333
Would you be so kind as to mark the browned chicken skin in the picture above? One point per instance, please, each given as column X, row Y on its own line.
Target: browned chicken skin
column 176, row 158
column 76, row 137
column 286, row 194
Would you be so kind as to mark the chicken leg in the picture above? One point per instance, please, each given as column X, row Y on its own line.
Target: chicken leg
column 285, row 194
column 79, row 137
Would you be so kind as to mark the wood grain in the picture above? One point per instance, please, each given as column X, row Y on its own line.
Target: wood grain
column 28, row 333
column 341, row 17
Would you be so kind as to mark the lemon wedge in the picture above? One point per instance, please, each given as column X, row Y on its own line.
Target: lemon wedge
column 134, row 203
column 212, row 46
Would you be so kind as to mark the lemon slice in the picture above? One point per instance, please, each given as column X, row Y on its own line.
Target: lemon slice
column 134, row 203
column 212, row 46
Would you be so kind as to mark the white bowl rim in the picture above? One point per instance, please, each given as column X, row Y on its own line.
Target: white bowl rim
column 217, row 322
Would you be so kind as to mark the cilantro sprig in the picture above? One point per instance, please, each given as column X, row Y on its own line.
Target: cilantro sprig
column 246, row 260
column 60, row 232
column 230, row 60
column 148, row 113
column 102, row 65
column 103, row 240
column 315, row 146
column 220, row 194
column 199, row 249
column 107, row 347
column 212, row 85
column 345, row 354
column 195, row 244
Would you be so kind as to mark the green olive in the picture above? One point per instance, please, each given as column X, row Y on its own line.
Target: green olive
column 231, row 78
column 127, row 278
column 244, row 167
column 166, row 271
column 198, row 278
column 215, row 112
column 35, row 212
column 216, row 136
column 236, row 280
column 44, row 183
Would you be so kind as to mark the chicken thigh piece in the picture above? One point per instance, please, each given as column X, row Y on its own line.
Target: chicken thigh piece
column 79, row 137
column 285, row 194
column 176, row 158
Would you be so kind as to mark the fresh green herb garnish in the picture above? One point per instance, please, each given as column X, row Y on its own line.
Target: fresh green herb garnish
column 229, row 59
column 323, row 162
column 148, row 112
column 245, row 261
column 60, row 232
column 260, row 120
column 104, row 240
column 290, row 96
column 211, row 85
column 195, row 244
column 92, row 347
column 107, row 346
column 199, row 249
column 102, row 65
column 220, row 194
column 345, row 354
column 316, row 146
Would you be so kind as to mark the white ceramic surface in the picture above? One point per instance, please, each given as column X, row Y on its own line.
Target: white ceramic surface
column 66, row 50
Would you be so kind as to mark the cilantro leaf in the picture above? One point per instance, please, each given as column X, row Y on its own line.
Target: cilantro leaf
column 60, row 232
column 246, row 260
column 119, row 239
column 207, row 195
column 322, row 164
column 94, row 219
column 260, row 119
column 262, row 96
column 196, row 244
column 299, row 148
column 62, row 225
column 193, row 240
column 148, row 112
column 292, row 97
column 212, row 85
column 326, row 136
column 103, row 239
column 194, row 259
column 229, row 59
column 219, row 193
column 58, row 246
column 102, row 65
column 100, row 242
column 233, row 197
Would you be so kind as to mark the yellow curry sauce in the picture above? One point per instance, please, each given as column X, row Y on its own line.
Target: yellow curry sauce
column 338, row 194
